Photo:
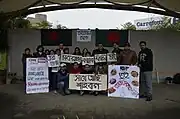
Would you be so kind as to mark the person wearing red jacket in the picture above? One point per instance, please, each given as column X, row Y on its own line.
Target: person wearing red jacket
column 76, row 69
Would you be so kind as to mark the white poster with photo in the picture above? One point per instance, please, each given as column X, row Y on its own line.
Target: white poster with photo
column 68, row 58
column 37, row 75
column 111, row 57
column 88, row 82
column 99, row 58
column 88, row 60
column 123, row 81
column 84, row 35
column 53, row 60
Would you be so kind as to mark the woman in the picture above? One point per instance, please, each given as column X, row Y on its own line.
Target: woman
column 84, row 51
column 76, row 69
column 52, row 52
column 88, row 54
column 58, row 52
column 77, row 51
column 39, row 52
column 47, row 52
column 26, row 54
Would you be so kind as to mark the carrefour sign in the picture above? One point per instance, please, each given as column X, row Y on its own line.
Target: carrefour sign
column 149, row 23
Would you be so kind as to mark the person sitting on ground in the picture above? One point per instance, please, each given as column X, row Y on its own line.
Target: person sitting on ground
column 63, row 80
column 86, row 70
column 75, row 69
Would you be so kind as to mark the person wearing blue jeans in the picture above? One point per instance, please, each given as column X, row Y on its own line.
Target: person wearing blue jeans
column 145, row 62
column 63, row 80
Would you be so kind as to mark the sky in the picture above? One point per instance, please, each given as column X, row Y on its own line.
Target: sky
column 94, row 18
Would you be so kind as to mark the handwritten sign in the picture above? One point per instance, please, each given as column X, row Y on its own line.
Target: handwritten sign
column 68, row 58
column 111, row 57
column 123, row 81
column 88, row 60
column 53, row 60
column 84, row 35
column 88, row 82
column 100, row 58
column 37, row 75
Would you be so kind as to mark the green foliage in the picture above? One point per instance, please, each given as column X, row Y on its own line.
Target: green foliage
column 59, row 26
column 128, row 26
column 167, row 25
column 42, row 25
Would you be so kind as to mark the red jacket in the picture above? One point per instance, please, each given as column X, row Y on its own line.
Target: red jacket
column 75, row 71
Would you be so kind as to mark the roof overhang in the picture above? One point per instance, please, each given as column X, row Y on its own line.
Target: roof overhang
column 26, row 7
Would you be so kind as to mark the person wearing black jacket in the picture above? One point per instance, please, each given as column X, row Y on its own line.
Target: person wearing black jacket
column 39, row 52
column 100, row 50
column 145, row 62
column 26, row 54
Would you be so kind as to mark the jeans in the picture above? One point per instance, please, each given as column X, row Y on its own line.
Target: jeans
column 146, row 83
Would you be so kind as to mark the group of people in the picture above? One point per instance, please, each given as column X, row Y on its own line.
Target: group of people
column 59, row 81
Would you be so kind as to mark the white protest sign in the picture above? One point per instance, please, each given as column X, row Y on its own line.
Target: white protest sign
column 37, row 75
column 111, row 57
column 55, row 69
column 100, row 58
column 84, row 35
column 88, row 60
column 68, row 58
column 87, row 82
column 53, row 60
column 123, row 81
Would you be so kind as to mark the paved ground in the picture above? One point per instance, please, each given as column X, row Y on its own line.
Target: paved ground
column 14, row 104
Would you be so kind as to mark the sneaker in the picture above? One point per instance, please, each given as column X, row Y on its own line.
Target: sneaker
column 81, row 93
column 67, row 92
column 149, row 98
column 96, row 93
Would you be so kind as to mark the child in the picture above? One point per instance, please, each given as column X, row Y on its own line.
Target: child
column 63, row 80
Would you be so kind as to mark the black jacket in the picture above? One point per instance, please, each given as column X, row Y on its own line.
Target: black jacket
column 97, row 51
column 117, row 50
column 145, row 60
column 24, row 57
column 37, row 55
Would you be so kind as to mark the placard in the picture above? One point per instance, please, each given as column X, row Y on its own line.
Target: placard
column 88, row 60
column 37, row 75
column 87, row 82
column 68, row 58
column 123, row 81
column 53, row 60
column 84, row 35
column 111, row 57
column 100, row 58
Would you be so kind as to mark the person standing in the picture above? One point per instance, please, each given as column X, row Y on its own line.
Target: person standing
column 61, row 48
column 145, row 62
column 39, row 52
column 127, row 56
column 25, row 55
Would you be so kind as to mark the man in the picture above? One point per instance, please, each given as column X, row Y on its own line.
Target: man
column 61, row 48
column 127, row 56
column 100, row 50
column 116, row 49
column 145, row 62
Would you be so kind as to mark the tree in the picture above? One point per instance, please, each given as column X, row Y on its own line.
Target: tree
column 128, row 26
column 167, row 25
column 42, row 25
column 59, row 26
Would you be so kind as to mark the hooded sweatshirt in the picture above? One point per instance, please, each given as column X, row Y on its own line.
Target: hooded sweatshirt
column 145, row 60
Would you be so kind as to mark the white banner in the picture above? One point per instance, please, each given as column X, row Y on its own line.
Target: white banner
column 53, row 60
column 87, row 82
column 111, row 57
column 100, row 58
column 88, row 60
column 84, row 35
column 123, row 81
column 68, row 58
column 37, row 75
